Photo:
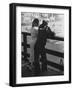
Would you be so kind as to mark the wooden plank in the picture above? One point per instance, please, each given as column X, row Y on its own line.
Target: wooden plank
column 55, row 53
column 58, row 66
column 25, row 54
column 26, row 33
column 56, row 38
column 25, row 45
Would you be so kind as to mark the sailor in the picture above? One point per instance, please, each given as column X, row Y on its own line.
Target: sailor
column 39, row 49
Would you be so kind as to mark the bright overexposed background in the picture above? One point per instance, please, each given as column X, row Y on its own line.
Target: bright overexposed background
column 4, row 44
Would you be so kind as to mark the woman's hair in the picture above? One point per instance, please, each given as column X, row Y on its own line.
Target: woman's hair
column 35, row 22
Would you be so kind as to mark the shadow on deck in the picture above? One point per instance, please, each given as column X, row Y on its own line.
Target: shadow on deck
column 26, row 72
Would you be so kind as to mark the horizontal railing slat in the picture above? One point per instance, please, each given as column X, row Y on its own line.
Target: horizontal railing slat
column 58, row 66
column 55, row 53
column 57, row 38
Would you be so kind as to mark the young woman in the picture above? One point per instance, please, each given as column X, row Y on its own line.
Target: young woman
column 34, row 33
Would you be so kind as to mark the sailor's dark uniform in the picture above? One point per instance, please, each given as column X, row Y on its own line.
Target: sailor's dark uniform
column 39, row 49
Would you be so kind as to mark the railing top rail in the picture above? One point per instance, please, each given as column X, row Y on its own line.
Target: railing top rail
column 53, row 38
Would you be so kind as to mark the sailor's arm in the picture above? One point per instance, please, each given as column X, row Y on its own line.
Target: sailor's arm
column 50, row 33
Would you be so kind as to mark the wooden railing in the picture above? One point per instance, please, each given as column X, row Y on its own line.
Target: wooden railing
column 48, row 51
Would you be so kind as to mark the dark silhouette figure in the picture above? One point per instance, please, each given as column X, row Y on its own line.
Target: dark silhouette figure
column 44, row 32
